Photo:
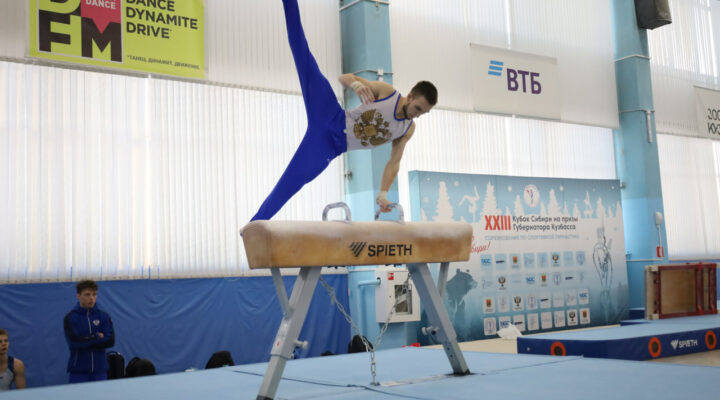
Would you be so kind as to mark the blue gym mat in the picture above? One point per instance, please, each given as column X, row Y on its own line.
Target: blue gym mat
column 413, row 373
column 633, row 340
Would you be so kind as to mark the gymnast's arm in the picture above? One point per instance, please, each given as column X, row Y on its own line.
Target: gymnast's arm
column 20, row 375
column 391, row 168
column 367, row 91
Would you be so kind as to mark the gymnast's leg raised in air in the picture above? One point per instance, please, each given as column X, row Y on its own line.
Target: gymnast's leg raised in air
column 325, row 138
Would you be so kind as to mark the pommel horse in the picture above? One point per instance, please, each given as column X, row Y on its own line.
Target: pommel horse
column 313, row 244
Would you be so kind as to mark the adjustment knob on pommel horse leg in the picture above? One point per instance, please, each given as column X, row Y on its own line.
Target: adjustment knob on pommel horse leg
column 313, row 244
column 429, row 330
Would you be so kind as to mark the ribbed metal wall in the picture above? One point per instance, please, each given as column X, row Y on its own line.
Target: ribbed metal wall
column 245, row 41
column 430, row 40
column 116, row 177
column 690, row 174
column 155, row 177
column 683, row 54
column 473, row 143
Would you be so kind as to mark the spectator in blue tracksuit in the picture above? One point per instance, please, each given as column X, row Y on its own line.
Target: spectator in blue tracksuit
column 88, row 331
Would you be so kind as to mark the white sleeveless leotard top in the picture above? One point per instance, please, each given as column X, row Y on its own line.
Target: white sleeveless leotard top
column 7, row 377
column 371, row 125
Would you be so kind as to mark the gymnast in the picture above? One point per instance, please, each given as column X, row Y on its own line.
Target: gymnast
column 384, row 116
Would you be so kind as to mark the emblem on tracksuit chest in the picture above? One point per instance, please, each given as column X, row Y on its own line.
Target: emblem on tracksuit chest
column 372, row 129
column 96, row 322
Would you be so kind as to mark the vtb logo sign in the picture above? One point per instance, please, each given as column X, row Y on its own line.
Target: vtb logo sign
column 87, row 28
column 498, row 223
column 528, row 79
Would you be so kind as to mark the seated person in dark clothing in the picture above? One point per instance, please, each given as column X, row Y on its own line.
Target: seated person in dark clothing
column 12, row 370
column 139, row 367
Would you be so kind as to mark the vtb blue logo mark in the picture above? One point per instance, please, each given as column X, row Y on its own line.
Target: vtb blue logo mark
column 528, row 79
column 496, row 68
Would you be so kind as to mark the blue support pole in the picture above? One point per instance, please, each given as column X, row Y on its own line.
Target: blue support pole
column 366, row 52
column 365, row 27
column 636, row 152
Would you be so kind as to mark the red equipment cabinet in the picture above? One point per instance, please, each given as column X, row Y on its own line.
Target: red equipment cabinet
column 679, row 290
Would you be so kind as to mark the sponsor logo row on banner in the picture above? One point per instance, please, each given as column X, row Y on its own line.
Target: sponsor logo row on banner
column 538, row 321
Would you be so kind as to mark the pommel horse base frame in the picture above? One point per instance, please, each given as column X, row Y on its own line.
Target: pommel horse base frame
column 263, row 239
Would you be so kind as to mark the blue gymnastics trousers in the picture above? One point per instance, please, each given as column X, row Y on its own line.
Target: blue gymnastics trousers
column 325, row 136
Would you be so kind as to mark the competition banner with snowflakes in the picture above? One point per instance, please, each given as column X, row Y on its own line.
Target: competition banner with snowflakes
column 547, row 254
column 155, row 36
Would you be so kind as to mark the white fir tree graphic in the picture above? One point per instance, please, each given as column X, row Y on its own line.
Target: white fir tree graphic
column 576, row 211
column 566, row 213
column 543, row 210
column 519, row 209
column 490, row 203
column 588, row 212
column 444, row 211
column 600, row 210
column 618, row 219
column 553, row 208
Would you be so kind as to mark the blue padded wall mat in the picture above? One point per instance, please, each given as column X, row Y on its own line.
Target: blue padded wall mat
column 175, row 323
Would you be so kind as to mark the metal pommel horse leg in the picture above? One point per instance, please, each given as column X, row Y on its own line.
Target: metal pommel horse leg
column 289, row 330
column 438, row 316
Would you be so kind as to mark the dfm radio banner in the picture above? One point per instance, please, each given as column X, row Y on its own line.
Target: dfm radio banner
column 510, row 82
column 155, row 36
column 547, row 254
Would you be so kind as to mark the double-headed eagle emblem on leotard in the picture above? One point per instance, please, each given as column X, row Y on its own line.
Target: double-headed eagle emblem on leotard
column 371, row 128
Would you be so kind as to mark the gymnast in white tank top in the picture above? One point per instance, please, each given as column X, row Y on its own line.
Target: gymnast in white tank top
column 374, row 124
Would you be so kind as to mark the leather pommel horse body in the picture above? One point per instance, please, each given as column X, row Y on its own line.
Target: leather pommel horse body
column 283, row 244
column 280, row 244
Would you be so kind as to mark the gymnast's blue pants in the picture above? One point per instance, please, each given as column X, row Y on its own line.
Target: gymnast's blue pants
column 325, row 138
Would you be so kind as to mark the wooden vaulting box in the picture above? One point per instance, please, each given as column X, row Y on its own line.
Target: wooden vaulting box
column 679, row 290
